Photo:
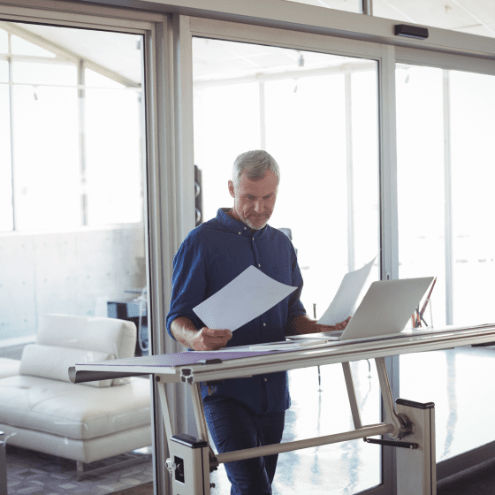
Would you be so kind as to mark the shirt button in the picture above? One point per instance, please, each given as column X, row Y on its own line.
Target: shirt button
column 266, row 379
column 245, row 228
column 259, row 265
column 264, row 324
column 239, row 233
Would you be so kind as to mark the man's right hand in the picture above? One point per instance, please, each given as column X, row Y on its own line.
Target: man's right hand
column 208, row 339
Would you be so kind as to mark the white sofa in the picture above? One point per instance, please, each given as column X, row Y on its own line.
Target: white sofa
column 9, row 367
column 40, row 409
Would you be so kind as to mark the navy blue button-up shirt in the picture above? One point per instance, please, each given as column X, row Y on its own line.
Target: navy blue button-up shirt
column 210, row 257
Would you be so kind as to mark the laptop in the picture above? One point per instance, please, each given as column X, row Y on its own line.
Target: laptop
column 384, row 310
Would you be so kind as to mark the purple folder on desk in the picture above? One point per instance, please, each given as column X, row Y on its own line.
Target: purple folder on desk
column 179, row 359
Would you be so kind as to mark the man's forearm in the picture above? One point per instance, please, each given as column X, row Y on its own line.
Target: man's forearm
column 184, row 331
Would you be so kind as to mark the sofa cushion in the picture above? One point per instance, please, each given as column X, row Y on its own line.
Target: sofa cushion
column 73, row 410
column 48, row 361
column 9, row 367
column 110, row 335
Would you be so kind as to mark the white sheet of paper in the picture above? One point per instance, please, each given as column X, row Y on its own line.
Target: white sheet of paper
column 344, row 302
column 248, row 296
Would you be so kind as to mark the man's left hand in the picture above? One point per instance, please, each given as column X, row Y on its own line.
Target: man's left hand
column 330, row 328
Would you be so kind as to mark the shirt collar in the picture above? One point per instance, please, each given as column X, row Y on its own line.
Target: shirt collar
column 236, row 225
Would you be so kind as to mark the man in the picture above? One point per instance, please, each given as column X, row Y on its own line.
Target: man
column 246, row 412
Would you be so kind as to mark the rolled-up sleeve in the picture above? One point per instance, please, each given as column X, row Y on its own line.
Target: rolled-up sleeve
column 188, row 283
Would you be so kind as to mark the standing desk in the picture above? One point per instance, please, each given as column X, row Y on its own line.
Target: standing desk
column 409, row 425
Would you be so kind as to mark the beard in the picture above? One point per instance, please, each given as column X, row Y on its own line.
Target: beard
column 257, row 222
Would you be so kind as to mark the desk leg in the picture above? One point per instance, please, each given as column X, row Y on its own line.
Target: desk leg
column 199, row 413
column 388, row 403
column 351, row 393
column 162, row 394
column 416, row 468
column 189, row 461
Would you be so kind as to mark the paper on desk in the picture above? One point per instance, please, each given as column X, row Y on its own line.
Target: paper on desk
column 344, row 302
column 248, row 296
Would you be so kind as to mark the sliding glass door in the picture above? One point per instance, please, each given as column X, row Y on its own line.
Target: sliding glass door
column 316, row 112
column 445, row 130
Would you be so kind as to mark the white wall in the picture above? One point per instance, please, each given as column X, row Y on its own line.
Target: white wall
column 72, row 272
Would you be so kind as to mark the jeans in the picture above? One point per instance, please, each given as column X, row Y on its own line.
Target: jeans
column 234, row 426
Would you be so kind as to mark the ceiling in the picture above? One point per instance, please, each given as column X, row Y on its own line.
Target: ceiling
column 119, row 56
column 467, row 16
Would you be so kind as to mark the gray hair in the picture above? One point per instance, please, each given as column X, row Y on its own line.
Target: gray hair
column 254, row 164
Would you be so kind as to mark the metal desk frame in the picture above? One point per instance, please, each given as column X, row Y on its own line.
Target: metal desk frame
column 192, row 459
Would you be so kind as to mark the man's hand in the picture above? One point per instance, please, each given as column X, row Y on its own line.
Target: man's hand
column 338, row 326
column 302, row 325
column 208, row 339
column 204, row 339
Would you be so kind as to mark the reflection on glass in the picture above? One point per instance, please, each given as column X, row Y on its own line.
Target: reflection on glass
column 317, row 115
column 445, row 151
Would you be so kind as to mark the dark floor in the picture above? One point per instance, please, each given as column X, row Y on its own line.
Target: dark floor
column 34, row 473
column 478, row 481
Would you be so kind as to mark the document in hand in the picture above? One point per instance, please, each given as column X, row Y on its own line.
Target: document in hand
column 248, row 296
column 344, row 302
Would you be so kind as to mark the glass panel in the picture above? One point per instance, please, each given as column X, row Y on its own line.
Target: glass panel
column 4, row 71
column 6, row 218
column 4, row 41
column 21, row 46
column 317, row 115
column 475, row 17
column 113, row 159
column 44, row 73
column 77, row 255
column 347, row 5
column 420, row 155
column 445, row 128
column 46, row 154
column 472, row 103
column 94, row 80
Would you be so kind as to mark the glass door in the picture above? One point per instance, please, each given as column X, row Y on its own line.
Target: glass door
column 445, row 131
column 72, row 232
column 317, row 114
